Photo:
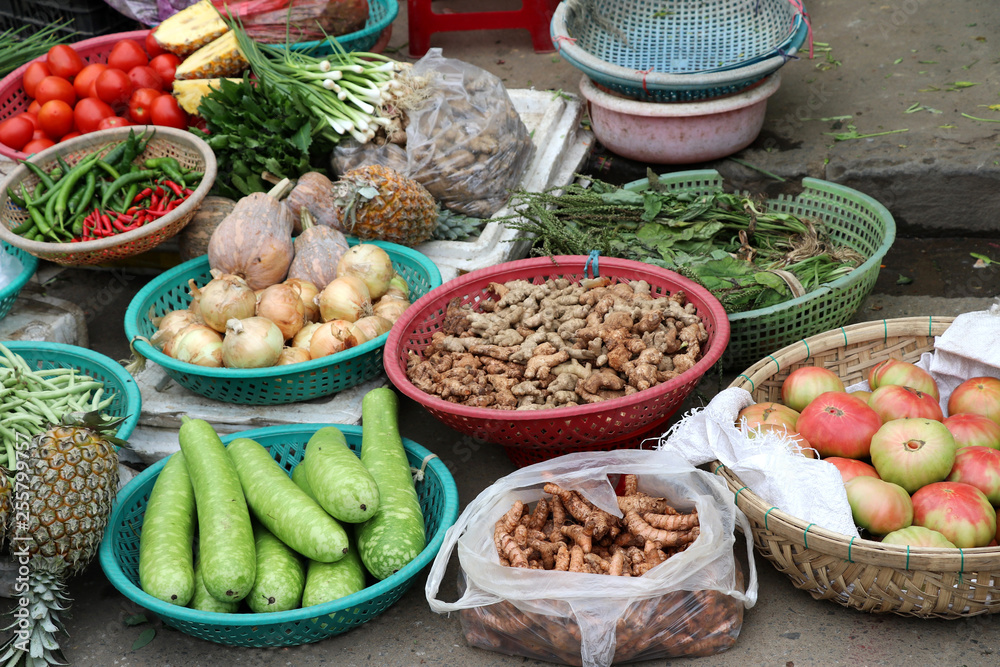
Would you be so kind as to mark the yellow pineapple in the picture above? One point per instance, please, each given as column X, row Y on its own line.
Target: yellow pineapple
column 190, row 29
column 190, row 91
column 377, row 202
column 221, row 57
column 72, row 473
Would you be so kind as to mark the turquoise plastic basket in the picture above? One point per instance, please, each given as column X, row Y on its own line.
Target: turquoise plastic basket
column 119, row 554
column 277, row 384
column 29, row 264
column 677, row 50
column 42, row 355
column 853, row 219
column 381, row 14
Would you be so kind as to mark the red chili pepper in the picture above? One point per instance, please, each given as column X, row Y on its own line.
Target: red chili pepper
column 132, row 209
column 159, row 191
column 177, row 190
column 156, row 214
column 188, row 192
column 142, row 195
column 106, row 224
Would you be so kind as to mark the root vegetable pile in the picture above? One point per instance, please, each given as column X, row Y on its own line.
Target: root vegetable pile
column 568, row 533
column 559, row 343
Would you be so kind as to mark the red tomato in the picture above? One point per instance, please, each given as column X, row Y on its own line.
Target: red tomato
column 127, row 54
column 38, row 145
column 165, row 111
column 39, row 133
column 16, row 132
column 139, row 105
column 838, row 424
column 34, row 107
column 114, row 87
column 70, row 135
column 55, row 88
column 145, row 77
column 89, row 112
column 31, row 116
column 64, row 61
column 112, row 121
column 56, row 118
column 81, row 84
column 165, row 65
column 33, row 75
column 152, row 46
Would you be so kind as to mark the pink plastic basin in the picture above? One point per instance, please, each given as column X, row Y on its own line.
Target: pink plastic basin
column 678, row 132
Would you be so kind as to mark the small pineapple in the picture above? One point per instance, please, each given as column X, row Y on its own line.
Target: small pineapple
column 221, row 57
column 72, row 482
column 377, row 202
column 453, row 226
column 190, row 29
column 190, row 91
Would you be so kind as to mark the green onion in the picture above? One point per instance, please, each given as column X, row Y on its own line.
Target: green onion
column 17, row 49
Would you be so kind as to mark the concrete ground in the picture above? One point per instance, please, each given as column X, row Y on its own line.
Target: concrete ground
column 887, row 65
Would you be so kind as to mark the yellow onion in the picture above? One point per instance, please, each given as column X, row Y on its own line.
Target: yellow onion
column 307, row 292
column 198, row 344
column 292, row 355
column 345, row 298
column 253, row 342
column 170, row 325
column 302, row 338
column 398, row 288
column 226, row 297
column 371, row 264
column 373, row 326
column 390, row 308
column 281, row 304
column 195, row 293
column 327, row 339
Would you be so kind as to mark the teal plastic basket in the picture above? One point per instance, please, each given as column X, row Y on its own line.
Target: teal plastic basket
column 41, row 355
column 29, row 264
column 677, row 50
column 853, row 219
column 119, row 553
column 381, row 14
column 277, row 384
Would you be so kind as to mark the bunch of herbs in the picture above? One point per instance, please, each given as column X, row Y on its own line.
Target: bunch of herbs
column 253, row 129
column 728, row 243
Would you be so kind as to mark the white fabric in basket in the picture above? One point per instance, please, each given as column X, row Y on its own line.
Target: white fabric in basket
column 969, row 348
column 809, row 489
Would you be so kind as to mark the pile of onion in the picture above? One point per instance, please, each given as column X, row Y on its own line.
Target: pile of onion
column 228, row 324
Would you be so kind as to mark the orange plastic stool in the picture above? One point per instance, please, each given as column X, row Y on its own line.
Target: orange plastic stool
column 534, row 15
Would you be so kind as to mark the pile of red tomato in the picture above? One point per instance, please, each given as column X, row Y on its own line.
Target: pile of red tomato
column 70, row 97
column 912, row 475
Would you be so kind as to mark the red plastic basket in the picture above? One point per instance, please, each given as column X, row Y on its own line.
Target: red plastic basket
column 13, row 99
column 535, row 435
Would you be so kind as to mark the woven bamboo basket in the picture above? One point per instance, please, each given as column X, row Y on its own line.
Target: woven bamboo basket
column 190, row 151
column 858, row 573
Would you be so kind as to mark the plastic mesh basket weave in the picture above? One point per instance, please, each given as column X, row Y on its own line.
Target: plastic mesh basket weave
column 535, row 435
column 119, row 553
column 677, row 50
column 276, row 384
column 10, row 292
column 127, row 403
column 381, row 14
column 853, row 219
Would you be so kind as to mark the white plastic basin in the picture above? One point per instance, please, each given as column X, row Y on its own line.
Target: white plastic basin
column 678, row 132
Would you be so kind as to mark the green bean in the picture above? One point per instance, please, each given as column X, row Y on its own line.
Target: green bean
column 59, row 393
column 95, row 399
column 106, row 402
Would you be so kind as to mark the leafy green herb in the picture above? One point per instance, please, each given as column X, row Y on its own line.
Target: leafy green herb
column 253, row 129
column 728, row 243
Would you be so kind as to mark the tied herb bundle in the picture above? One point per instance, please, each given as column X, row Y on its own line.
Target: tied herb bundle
column 254, row 128
column 748, row 257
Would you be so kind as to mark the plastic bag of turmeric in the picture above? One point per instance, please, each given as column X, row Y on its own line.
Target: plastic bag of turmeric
column 687, row 600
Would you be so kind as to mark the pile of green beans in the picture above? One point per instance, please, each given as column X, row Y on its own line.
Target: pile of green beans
column 33, row 400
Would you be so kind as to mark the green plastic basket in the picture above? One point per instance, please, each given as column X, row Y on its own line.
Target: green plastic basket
column 381, row 14
column 853, row 219
column 41, row 355
column 277, row 384
column 29, row 264
column 119, row 554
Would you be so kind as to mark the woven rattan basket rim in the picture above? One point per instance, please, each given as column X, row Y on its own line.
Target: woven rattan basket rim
column 821, row 540
column 93, row 141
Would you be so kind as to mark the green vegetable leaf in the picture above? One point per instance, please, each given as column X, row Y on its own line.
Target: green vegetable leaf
column 768, row 279
column 652, row 204
column 136, row 619
column 903, row 280
column 144, row 638
column 624, row 197
column 302, row 138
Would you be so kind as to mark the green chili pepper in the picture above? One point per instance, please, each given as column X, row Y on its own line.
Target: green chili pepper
column 124, row 180
column 115, row 154
column 88, row 193
column 169, row 166
column 69, row 181
column 14, row 197
column 108, row 168
column 40, row 173
column 25, row 227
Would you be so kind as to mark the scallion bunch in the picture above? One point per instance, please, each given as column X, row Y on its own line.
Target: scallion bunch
column 17, row 48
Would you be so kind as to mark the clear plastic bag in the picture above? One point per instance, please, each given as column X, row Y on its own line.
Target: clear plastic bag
column 465, row 142
column 690, row 604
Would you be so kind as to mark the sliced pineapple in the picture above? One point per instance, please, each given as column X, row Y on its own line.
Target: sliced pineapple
column 190, row 29
column 217, row 59
column 190, row 91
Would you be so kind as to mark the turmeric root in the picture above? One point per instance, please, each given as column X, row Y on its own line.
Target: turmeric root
column 640, row 527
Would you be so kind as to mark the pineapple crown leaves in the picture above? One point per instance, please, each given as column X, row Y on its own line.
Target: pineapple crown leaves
column 102, row 424
column 349, row 195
